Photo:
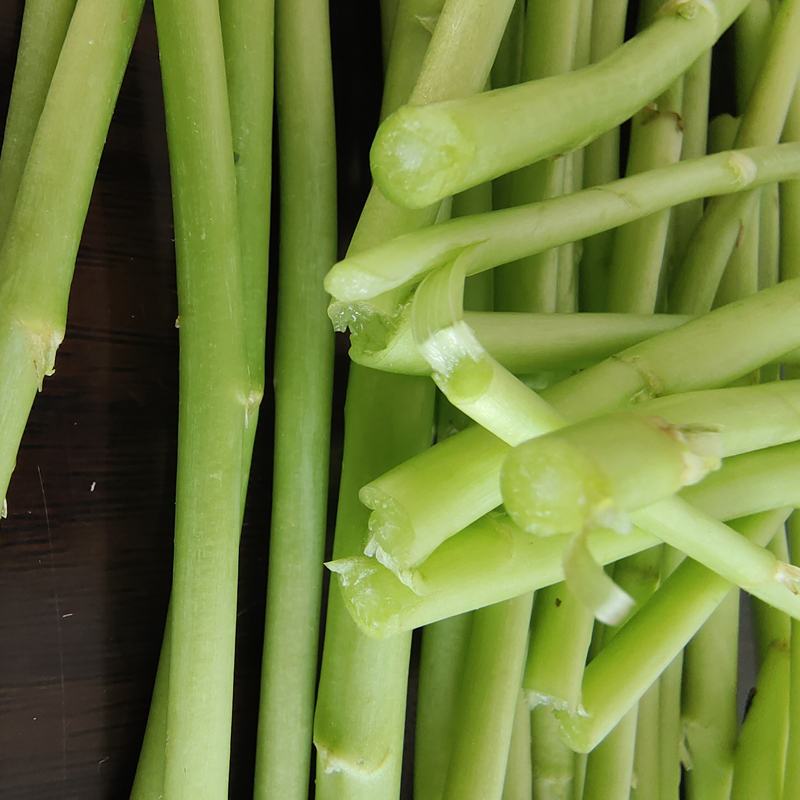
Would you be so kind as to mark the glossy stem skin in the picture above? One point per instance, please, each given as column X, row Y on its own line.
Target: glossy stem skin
column 398, row 412
column 38, row 255
column 490, row 687
column 214, row 391
column 383, row 270
column 303, row 386
column 477, row 149
column 442, row 662
column 708, row 707
column 247, row 33
column 601, row 157
column 44, row 28
column 686, row 599
column 762, row 123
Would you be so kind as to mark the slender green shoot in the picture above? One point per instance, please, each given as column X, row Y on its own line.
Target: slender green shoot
column 444, row 648
column 625, row 668
column 487, row 701
column 503, row 236
column 713, row 240
column 421, row 156
column 41, row 243
column 760, row 757
column 303, row 387
column 44, row 28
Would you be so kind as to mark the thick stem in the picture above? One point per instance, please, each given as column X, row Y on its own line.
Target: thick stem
column 214, row 391
column 762, row 123
column 464, row 143
column 303, row 385
column 509, row 234
column 41, row 242
column 444, row 648
column 44, row 28
column 487, row 701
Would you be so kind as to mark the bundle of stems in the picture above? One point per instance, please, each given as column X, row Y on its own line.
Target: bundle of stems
column 564, row 487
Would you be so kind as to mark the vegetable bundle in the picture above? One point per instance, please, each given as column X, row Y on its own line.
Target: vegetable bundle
column 571, row 418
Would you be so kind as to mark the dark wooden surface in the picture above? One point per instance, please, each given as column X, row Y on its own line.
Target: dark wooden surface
column 85, row 554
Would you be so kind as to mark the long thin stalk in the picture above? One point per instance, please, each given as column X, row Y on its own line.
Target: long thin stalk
column 44, row 28
column 487, row 701
column 650, row 640
column 512, row 233
column 360, row 713
column 709, row 714
column 601, row 157
column 762, row 123
column 362, row 688
column 41, row 243
column 214, row 392
column 464, row 143
column 444, row 646
column 303, row 386
column 247, row 32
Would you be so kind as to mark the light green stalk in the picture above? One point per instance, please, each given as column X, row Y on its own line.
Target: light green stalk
column 601, row 157
column 506, row 235
column 360, row 714
column 548, row 49
column 751, row 40
column 518, row 782
column 638, row 576
column 648, row 642
column 506, row 72
column 561, row 629
column 694, row 113
column 592, row 472
column 444, row 648
column 790, row 202
column 751, row 483
column 362, row 689
column 492, row 560
column 791, row 779
column 508, row 64
column 423, row 502
column 771, row 624
column 487, row 701
column 646, row 766
column 421, row 156
column 303, row 386
column 656, row 139
column 526, row 343
column 762, row 123
column 760, row 758
column 249, row 71
column 553, row 762
column 671, row 731
column 44, row 27
column 609, row 767
column 214, row 392
column 409, row 43
column 708, row 707
column 41, row 243
column 388, row 17
column 638, row 252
